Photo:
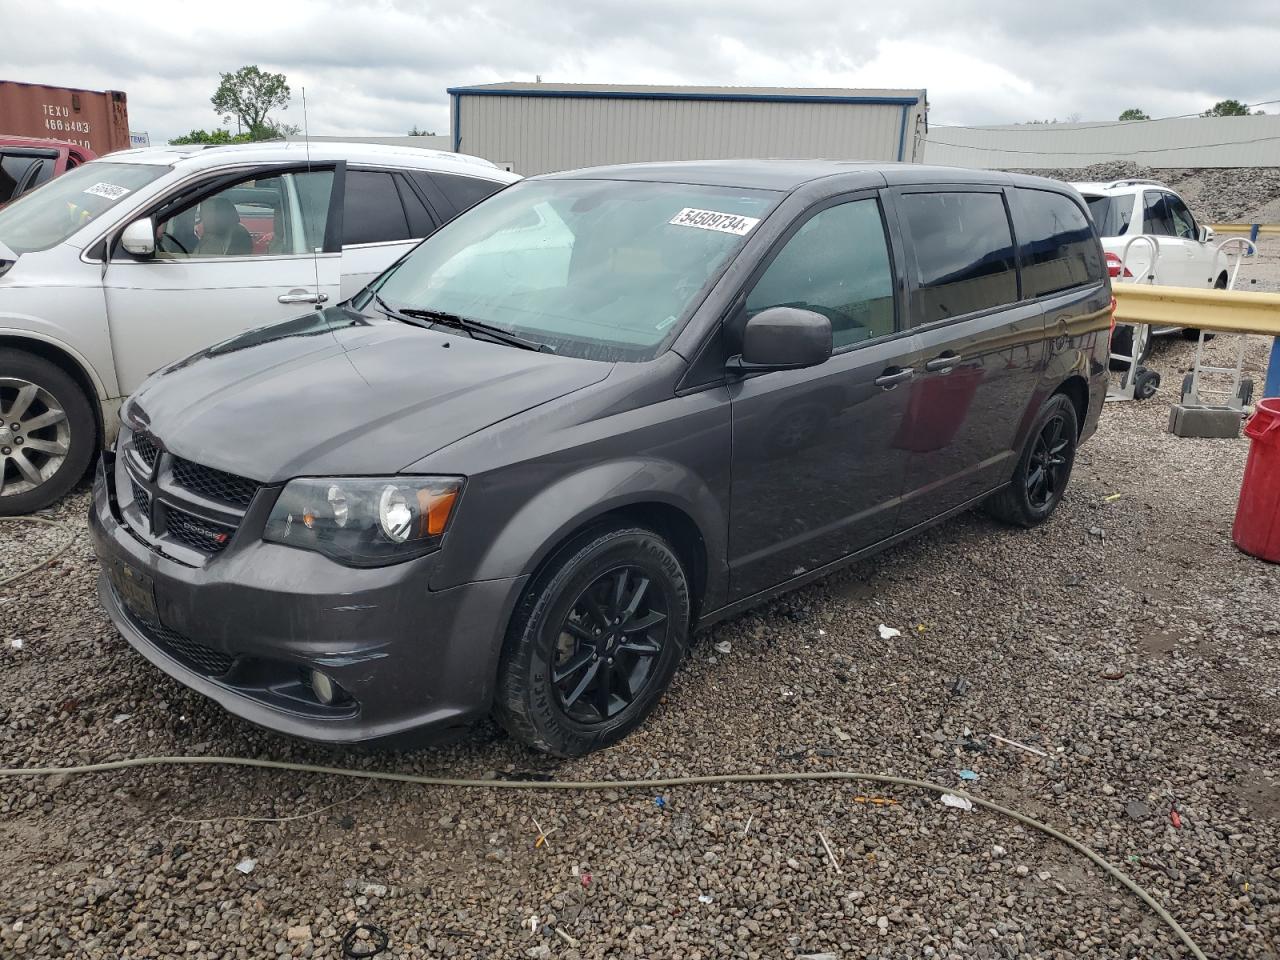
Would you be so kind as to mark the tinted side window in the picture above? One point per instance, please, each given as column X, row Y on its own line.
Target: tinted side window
column 1184, row 225
column 963, row 250
column 12, row 171
column 371, row 209
column 43, row 172
column 1112, row 215
column 1155, row 215
column 837, row 265
column 1058, row 247
column 421, row 222
column 464, row 192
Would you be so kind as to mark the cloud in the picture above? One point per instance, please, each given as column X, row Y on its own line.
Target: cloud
column 382, row 66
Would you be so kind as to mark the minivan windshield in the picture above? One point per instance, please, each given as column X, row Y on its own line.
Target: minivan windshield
column 51, row 213
column 599, row 269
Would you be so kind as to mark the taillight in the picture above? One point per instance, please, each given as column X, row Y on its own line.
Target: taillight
column 1114, row 265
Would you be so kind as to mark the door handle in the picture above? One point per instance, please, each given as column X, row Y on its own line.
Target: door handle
column 943, row 362
column 302, row 296
column 894, row 376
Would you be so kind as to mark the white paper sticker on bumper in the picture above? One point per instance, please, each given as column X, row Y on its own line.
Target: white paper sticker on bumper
column 733, row 223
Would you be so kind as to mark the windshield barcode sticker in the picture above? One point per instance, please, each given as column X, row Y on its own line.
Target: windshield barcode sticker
column 711, row 220
column 107, row 190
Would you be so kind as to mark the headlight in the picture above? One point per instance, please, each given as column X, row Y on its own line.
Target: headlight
column 364, row 521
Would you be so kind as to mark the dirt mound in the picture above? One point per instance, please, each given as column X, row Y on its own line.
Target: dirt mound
column 1215, row 194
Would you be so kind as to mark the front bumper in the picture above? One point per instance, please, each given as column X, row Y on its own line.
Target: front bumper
column 246, row 628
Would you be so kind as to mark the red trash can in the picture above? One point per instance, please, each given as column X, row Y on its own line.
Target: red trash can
column 1257, row 526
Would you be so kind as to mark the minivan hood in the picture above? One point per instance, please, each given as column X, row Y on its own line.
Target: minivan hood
column 337, row 393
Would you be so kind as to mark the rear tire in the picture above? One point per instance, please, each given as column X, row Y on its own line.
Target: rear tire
column 579, row 671
column 48, row 434
column 1193, row 333
column 1043, row 469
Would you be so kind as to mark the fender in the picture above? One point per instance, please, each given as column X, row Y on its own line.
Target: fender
column 524, row 540
column 1080, row 350
column 105, row 390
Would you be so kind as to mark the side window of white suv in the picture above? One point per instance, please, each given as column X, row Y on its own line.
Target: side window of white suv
column 283, row 214
column 1156, row 218
column 1184, row 225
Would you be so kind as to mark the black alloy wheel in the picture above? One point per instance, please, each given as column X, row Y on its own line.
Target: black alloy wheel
column 1043, row 468
column 594, row 641
column 609, row 642
column 1050, row 463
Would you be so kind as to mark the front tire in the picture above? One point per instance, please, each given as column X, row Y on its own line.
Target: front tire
column 47, row 432
column 1043, row 469
column 594, row 642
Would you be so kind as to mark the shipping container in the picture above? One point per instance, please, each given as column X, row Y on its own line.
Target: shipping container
column 97, row 119
column 532, row 128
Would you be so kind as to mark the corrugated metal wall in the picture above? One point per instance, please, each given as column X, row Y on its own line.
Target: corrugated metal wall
column 537, row 134
column 434, row 142
column 1187, row 142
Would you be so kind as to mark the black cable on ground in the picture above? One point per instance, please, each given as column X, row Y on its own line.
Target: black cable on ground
column 47, row 560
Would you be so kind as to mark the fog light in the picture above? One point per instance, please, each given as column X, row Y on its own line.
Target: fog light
column 326, row 690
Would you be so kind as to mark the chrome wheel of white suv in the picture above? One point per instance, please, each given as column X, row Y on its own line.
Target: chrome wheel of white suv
column 47, row 432
column 35, row 437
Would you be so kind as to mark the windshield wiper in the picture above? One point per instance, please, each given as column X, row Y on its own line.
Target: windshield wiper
column 472, row 327
column 432, row 318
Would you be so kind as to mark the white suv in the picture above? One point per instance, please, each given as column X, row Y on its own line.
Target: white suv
column 1188, row 256
column 133, row 261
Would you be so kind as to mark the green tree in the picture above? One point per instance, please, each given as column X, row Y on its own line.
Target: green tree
column 248, row 96
column 415, row 132
column 1134, row 113
column 1227, row 108
column 218, row 137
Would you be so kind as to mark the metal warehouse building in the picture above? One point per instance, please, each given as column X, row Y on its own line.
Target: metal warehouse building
column 542, row 127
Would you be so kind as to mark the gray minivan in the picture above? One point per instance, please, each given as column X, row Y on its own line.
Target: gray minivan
column 597, row 412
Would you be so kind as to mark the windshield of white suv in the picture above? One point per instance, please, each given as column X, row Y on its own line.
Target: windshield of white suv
column 49, row 214
column 1111, row 214
column 599, row 269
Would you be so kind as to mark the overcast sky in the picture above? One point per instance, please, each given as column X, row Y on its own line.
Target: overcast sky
column 382, row 67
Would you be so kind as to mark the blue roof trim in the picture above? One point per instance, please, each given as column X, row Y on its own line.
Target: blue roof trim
column 668, row 95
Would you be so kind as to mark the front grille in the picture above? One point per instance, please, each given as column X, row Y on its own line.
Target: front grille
column 183, row 503
column 141, row 498
column 195, row 654
column 196, row 532
column 214, row 484
column 213, row 663
column 145, row 447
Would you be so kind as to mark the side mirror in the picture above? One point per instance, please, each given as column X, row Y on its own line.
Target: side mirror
column 139, row 238
column 784, row 338
column 1205, row 233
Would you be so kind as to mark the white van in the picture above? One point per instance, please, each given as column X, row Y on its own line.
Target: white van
column 145, row 256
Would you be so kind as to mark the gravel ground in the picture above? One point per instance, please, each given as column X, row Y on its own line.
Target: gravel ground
column 1126, row 639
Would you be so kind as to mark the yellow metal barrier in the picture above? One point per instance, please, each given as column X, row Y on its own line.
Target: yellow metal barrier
column 1223, row 310
column 1245, row 227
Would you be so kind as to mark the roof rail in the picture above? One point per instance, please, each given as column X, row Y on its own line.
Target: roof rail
column 1134, row 181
